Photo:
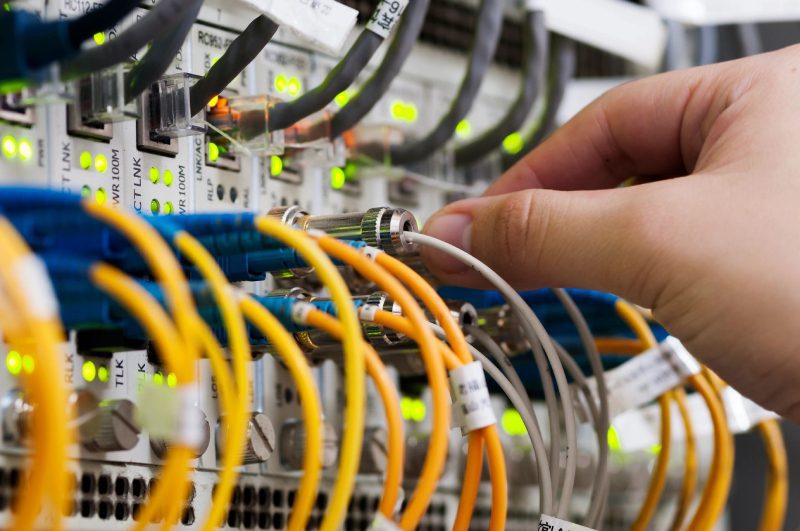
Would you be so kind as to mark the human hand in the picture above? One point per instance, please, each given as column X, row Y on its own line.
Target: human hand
column 715, row 253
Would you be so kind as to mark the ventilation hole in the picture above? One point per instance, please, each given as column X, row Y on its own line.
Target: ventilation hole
column 122, row 486
column 14, row 478
column 249, row 496
column 322, row 501
column 349, row 524
column 137, row 508
column 88, row 508
column 88, row 483
column 105, row 509
column 264, row 497
column 288, row 396
column 122, row 511
column 188, row 516
column 249, row 519
column 363, row 504
column 234, row 518
column 277, row 498
column 104, row 485
column 236, row 495
column 292, row 496
column 264, row 520
column 277, row 521
column 138, row 488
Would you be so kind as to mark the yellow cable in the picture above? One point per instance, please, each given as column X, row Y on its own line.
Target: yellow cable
column 471, row 482
column 157, row 324
column 395, row 451
column 425, row 292
column 614, row 345
column 41, row 335
column 642, row 330
column 236, row 430
column 775, row 501
column 167, row 271
column 296, row 362
column 354, row 365
column 433, row 466
column 689, row 483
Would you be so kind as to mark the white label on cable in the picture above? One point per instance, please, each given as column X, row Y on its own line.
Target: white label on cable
column 385, row 16
column 711, row 12
column 323, row 23
column 31, row 272
column 647, row 376
column 743, row 414
column 371, row 252
column 170, row 413
column 471, row 403
column 551, row 523
column 316, row 233
column 367, row 312
column 381, row 523
column 300, row 311
column 628, row 30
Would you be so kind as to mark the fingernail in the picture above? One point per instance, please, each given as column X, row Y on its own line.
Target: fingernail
column 452, row 228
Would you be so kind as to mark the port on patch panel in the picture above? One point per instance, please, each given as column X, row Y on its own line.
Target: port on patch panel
column 12, row 110
column 146, row 137
column 78, row 125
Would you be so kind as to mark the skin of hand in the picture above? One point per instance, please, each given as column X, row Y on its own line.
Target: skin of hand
column 711, row 244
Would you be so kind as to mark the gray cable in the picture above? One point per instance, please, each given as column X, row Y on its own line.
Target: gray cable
column 536, row 334
column 376, row 86
column 286, row 114
column 534, row 56
column 161, row 54
column 165, row 14
column 523, row 405
column 601, row 479
column 749, row 39
column 239, row 54
column 676, row 53
column 708, row 45
column 487, row 35
column 560, row 72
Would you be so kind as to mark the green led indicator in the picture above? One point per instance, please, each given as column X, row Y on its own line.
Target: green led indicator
column 398, row 110
column 7, row 7
column 655, row 449
column 9, row 146
column 155, row 175
column 512, row 423
column 100, row 196
column 338, row 178
column 411, row 113
column 343, row 98
column 350, row 170
column 13, row 362
column 89, row 371
column 86, row 191
column 280, row 83
column 275, row 165
column 158, row 378
column 103, row 374
column 100, row 163
column 513, row 143
column 99, row 38
column 168, row 177
column 85, row 160
column 613, row 439
column 294, row 87
column 172, row 380
column 155, row 206
column 168, row 208
column 28, row 364
column 213, row 152
column 413, row 409
column 25, row 150
column 464, row 128
column 403, row 111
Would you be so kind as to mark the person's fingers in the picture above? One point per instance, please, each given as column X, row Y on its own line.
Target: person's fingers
column 654, row 126
column 594, row 239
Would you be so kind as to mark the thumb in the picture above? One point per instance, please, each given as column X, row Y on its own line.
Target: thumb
column 604, row 240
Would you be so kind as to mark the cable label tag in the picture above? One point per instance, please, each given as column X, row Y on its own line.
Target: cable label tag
column 371, row 252
column 31, row 272
column 472, row 407
column 743, row 414
column 170, row 413
column 323, row 23
column 300, row 311
column 367, row 312
column 551, row 523
column 386, row 16
column 381, row 523
column 647, row 376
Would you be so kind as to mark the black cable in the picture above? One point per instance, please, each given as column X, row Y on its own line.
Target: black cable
column 487, row 35
column 165, row 14
column 286, row 114
column 239, row 54
column 376, row 86
column 107, row 15
column 561, row 70
column 534, row 58
column 161, row 54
